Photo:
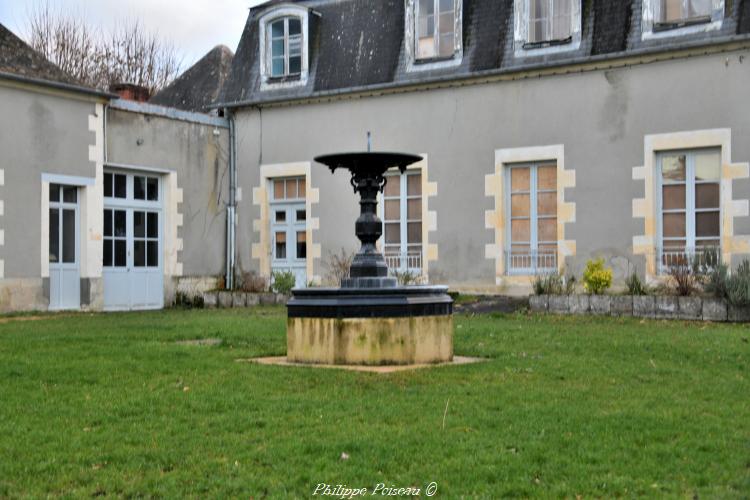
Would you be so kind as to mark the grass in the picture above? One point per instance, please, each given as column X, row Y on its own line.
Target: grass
column 598, row 407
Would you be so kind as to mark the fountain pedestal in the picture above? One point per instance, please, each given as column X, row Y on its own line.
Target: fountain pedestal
column 369, row 320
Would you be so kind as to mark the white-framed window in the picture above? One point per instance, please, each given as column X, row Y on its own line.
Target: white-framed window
column 689, row 205
column 531, row 208
column 284, row 47
column 402, row 221
column 543, row 26
column 63, row 221
column 289, row 226
column 667, row 18
column 433, row 34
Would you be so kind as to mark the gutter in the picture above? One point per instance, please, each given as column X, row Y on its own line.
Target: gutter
column 618, row 60
column 231, row 241
column 58, row 85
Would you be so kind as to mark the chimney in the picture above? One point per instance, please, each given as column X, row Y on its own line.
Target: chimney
column 131, row 91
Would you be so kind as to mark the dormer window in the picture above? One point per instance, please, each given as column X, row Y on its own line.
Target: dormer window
column 285, row 37
column 436, row 29
column 543, row 26
column 283, row 46
column 669, row 18
column 433, row 34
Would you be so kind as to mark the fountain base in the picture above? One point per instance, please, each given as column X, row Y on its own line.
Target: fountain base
column 370, row 326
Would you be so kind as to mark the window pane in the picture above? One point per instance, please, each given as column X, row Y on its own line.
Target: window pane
column 277, row 48
column 520, row 205
column 446, row 5
column 446, row 23
column 672, row 10
column 673, row 168
column 277, row 28
column 393, row 233
column 707, row 196
column 301, row 215
column 121, row 190
column 54, row 192
column 281, row 216
column 69, row 236
column 295, row 46
column 139, row 253
column 152, row 248
column 392, row 186
column 547, row 204
column 426, row 7
column 277, row 67
column 301, row 245
column 301, row 188
column 291, row 188
column 414, row 209
column 392, row 209
column 120, row 223
column 152, row 226
column 108, row 185
column 414, row 230
column 295, row 26
column 546, row 177
column 447, row 45
column 519, row 179
column 295, row 65
column 281, row 245
column 673, row 197
column 708, row 166
column 520, row 230
column 674, row 225
column 70, row 194
column 108, row 223
column 54, row 235
column 152, row 192
column 139, row 224
column 414, row 184
column 139, row 187
column 278, row 189
column 547, row 230
column 426, row 48
column 107, row 261
column 707, row 224
column 120, row 253
column 699, row 8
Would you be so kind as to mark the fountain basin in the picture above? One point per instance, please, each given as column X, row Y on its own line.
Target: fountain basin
column 377, row 326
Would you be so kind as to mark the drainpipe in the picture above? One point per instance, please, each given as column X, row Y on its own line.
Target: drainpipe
column 232, row 206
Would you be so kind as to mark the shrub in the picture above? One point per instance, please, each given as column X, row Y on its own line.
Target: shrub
column 338, row 266
column 283, row 281
column 252, row 283
column 596, row 278
column 717, row 281
column 635, row 285
column 684, row 280
column 553, row 284
column 406, row 278
column 185, row 301
column 738, row 285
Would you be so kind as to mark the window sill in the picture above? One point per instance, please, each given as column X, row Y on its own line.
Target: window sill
column 661, row 27
column 283, row 79
column 432, row 60
column 547, row 43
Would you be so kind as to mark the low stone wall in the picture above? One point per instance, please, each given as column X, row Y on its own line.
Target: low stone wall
column 653, row 307
column 227, row 299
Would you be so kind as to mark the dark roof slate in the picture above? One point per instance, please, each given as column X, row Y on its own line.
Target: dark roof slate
column 355, row 44
column 18, row 58
column 200, row 85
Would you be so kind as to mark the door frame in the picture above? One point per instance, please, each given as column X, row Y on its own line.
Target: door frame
column 60, row 267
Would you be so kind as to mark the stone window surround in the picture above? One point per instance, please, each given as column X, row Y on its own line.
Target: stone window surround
column 276, row 12
column 651, row 10
column 521, row 11
column 645, row 208
column 412, row 63
column 261, row 251
column 494, row 187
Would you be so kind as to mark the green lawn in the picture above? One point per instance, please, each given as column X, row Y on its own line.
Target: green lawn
column 111, row 405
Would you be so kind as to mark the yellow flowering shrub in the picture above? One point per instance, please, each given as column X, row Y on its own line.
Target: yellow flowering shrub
column 596, row 278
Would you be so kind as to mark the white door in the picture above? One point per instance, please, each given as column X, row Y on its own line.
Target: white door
column 132, row 258
column 64, row 267
column 288, row 229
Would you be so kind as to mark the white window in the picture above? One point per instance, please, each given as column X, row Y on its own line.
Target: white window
column 436, row 29
column 531, row 196
column 402, row 221
column 666, row 18
column 283, row 47
column 550, row 21
column 543, row 26
column 689, row 205
column 289, row 227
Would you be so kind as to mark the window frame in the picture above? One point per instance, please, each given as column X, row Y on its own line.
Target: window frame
column 269, row 81
column 690, row 209
column 415, row 63
column 292, row 223
column 436, row 33
column 653, row 28
column 523, row 46
column 403, row 197
column 533, row 218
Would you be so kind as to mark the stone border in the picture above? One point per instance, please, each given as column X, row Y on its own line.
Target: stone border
column 647, row 306
column 228, row 299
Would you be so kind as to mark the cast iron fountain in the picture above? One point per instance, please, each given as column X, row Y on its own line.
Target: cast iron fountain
column 370, row 320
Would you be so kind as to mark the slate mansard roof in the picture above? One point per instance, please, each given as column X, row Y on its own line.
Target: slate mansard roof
column 199, row 86
column 18, row 61
column 358, row 45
